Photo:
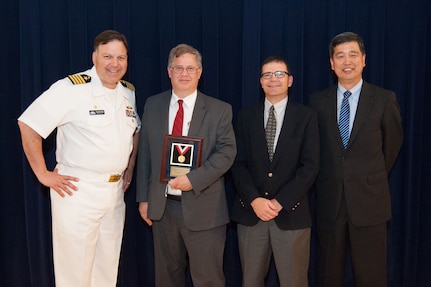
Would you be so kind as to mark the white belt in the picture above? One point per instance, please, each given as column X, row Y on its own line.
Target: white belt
column 89, row 175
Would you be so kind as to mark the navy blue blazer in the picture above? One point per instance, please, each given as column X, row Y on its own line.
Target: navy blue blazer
column 288, row 177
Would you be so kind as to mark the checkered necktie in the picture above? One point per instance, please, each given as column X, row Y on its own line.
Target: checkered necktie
column 270, row 128
column 344, row 120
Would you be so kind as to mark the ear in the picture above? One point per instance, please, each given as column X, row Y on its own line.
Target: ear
column 290, row 80
column 200, row 72
column 93, row 57
column 332, row 63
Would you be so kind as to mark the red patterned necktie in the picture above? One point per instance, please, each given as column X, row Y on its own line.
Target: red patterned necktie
column 177, row 129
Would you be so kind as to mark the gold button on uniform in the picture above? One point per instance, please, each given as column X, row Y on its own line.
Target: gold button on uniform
column 114, row 178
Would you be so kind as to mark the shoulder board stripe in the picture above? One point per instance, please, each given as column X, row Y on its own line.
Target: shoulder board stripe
column 79, row 79
column 128, row 85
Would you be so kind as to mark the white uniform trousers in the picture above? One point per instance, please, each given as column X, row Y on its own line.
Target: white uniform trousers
column 87, row 231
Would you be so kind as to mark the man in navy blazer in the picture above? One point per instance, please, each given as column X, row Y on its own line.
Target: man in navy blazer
column 272, row 182
column 189, row 214
column 352, row 190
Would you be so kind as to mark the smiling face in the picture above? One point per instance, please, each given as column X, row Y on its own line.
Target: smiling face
column 348, row 62
column 275, row 89
column 186, row 82
column 110, row 61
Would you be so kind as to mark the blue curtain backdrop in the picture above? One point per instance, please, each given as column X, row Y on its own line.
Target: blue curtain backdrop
column 43, row 41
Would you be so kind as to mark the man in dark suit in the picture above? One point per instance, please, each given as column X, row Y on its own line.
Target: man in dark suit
column 273, row 172
column 189, row 214
column 360, row 137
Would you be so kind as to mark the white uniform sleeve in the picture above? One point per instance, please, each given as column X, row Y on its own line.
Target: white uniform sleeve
column 49, row 109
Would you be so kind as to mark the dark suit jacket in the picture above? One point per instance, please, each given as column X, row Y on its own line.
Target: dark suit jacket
column 205, row 206
column 362, row 169
column 289, row 176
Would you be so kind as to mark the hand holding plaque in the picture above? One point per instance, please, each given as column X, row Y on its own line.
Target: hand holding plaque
column 180, row 155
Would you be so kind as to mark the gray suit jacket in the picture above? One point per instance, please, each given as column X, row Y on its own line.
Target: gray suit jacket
column 205, row 206
column 360, row 171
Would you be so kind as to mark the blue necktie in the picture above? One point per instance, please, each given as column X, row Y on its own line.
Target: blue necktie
column 344, row 121
column 270, row 129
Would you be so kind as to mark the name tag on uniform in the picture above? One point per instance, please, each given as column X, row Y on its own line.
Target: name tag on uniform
column 96, row 112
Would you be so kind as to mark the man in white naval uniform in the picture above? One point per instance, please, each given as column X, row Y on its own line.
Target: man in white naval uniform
column 97, row 135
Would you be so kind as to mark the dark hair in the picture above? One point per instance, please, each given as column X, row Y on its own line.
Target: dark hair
column 108, row 36
column 182, row 49
column 344, row 38
column 276, row 59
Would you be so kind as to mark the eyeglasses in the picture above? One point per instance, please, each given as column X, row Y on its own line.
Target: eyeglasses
column 277, row 74
column 180, row 69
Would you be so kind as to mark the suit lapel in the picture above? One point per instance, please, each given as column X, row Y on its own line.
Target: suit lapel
column 289, row 122
column 364, row 105
column 331, row 107
column 257, row 124
column 253, row 125
column 286, row 130
column 198, row 115
column 164, row 111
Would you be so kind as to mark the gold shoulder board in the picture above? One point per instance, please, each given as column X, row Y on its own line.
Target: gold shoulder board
column 128, row 85
column 79, row 79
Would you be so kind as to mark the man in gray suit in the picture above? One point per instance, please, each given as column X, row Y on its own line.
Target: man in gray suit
column 188, row 214
column 360, row 137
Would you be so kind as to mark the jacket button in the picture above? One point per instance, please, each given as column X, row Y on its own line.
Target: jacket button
column 270, row 174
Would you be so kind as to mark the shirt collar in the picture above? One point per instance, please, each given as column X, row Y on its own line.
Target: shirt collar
column 278, row 106
column 353, row 90
column 189, row 100
column 97, row 84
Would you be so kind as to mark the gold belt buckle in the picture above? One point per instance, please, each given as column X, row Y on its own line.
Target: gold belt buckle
column 114, row 178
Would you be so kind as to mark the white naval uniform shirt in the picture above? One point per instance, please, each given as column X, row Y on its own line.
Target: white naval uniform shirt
column 94, row 131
